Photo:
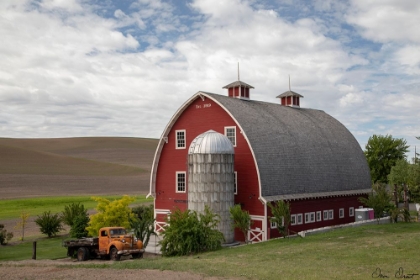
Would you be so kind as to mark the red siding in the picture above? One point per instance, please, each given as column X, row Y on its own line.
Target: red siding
column 321, row 204
column 199, row 117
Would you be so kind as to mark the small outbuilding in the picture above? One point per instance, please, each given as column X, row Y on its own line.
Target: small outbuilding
column 277, row 152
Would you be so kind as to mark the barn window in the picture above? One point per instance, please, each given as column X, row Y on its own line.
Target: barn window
column 273, row 224
column 318, row 216
column 299, row 219
column 180, row 182
column 341, row 212
column 330, row 214
column 325, row 215
column 351, row 212
column 235, row 183
column 293, row 219
column 230, row 132
column 180, row 139
column 309, row 217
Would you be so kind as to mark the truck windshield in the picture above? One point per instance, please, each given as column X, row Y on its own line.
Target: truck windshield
column 117, row 231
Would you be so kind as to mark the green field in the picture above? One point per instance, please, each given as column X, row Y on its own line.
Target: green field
column 350, row 253
column 11, row 209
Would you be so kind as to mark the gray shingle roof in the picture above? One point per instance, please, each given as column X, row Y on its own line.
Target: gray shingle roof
column 289, row 93
column 238, row 83
column 299, row 151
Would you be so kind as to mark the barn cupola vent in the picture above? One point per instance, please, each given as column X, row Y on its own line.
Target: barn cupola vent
column 238, row 89
column 290, row 98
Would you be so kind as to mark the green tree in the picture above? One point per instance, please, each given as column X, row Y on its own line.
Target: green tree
column 111, row 214
column 379, row 200
column 72, row 211
column 188, row 232
column 49, row 224
column 21, row 224
column 382, row 152
column 4, row 235
column 78, row 228
column 143, row 223
column 281, row 216
column 241, row 220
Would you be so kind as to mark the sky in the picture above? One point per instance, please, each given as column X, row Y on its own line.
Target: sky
column 75, row 68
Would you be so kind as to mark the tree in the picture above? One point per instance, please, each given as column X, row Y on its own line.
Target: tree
column 379, row 199
column 72, row 211
column 21, row 224
column 78, row 228
column 111, row 214
column 382, row 152
column 241, row 220
column 143, row 223
column 281, row 216
column 4, row 235
column 404, row 173
column 187, row 232
column 49, row 224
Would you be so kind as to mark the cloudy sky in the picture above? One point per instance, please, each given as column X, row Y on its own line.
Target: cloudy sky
column 122, row 68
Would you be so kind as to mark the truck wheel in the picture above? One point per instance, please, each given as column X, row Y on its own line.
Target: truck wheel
column 113, row 254
column 82, row 254
column 137, row 255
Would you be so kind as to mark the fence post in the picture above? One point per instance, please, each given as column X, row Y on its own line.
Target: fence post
column 34, row 250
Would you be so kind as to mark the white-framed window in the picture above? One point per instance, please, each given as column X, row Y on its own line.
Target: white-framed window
column 325, row 215
column 293, row 219
column 330, row 214
column 318, row 216
column 299, row 219
column 180, row 136
column 351, row 212
column 273, row 224
column 181, row 181
column 309, row 217
column 341, row 213
column 230, row 132
column 306, row 218
column 235, row 183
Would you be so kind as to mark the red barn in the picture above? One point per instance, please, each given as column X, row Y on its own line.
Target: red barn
column 281, row 152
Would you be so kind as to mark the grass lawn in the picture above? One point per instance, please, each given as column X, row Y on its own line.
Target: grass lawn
column 350, row 253
column 12, row 208
column 46, row 249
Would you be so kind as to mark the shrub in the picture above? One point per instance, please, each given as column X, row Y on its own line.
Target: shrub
column 72, row 211
column 49, row 224
column 241, row 220
column 4, row 235
column 143, row 223
column 111, row 214
column 78, row 229
column 188, row 232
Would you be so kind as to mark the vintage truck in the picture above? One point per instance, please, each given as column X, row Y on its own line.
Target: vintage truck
column 112, row 243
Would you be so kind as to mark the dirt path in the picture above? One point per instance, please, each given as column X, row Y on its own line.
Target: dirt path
column 61, row 269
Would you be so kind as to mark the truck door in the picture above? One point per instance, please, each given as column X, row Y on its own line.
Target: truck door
column 103, row 241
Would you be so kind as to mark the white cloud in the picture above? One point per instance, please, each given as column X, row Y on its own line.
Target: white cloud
column 387, row 20
column 68, row 70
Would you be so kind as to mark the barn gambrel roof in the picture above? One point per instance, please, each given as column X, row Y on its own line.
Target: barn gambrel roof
column 299, row 153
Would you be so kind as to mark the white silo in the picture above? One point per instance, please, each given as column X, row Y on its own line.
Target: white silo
column 211, row 178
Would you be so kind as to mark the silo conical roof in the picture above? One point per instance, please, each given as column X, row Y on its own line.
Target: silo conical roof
column 211, row 142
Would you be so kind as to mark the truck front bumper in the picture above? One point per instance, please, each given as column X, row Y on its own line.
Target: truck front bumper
column 131, row 251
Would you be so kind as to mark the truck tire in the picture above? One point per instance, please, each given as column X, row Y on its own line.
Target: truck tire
column 82, row 254
column 137, row 255
column 113, row 254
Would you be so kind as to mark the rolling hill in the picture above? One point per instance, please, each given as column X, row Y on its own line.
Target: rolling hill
column 85, row 165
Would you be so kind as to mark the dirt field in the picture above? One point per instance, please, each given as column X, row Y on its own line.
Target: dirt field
column 23, row 183
column 53, row 269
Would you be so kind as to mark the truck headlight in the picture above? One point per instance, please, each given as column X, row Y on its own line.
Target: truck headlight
column 123, row 241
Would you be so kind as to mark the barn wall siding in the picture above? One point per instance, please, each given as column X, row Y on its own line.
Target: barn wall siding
column 199, row 117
